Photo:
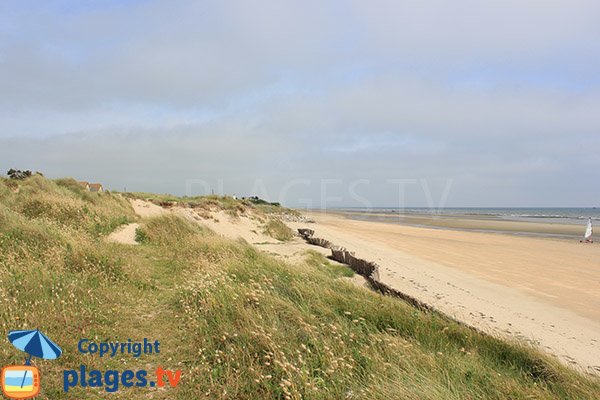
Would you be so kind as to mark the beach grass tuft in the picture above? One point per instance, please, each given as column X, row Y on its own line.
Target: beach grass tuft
column 278, row 230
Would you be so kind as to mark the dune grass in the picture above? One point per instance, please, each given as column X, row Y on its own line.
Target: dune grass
column 278, row 230
column 238, row 322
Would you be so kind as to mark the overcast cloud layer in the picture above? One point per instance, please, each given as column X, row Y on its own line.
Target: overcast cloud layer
column 312, row 103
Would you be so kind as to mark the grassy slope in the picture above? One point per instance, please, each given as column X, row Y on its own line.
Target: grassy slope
column 240, row 323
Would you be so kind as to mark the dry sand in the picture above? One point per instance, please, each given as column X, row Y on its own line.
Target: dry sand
column 544, row 291
column 124, row 234
column 146, row 209
column 249, row 228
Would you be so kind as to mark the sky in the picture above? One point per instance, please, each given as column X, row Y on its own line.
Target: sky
column 311, row 103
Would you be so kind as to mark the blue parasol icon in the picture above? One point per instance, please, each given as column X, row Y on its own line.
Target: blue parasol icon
column 34, row 343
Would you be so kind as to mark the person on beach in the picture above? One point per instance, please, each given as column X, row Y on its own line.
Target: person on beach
column 587, row 237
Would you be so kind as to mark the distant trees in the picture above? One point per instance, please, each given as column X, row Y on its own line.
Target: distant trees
column 20, row 175
column 258, row 200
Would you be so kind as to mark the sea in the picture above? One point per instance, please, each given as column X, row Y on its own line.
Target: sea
column 576, row 216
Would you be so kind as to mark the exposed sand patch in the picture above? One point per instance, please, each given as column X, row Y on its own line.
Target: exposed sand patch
column 124, row 234
column 358, row 280
column 293, row 251
column 246, row 227
column 146, row 209
column 249, row 228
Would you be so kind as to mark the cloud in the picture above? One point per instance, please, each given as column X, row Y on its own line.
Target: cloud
column 501, row 98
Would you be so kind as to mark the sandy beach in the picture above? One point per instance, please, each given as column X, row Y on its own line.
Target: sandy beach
column 540, row 290
column 537, row 289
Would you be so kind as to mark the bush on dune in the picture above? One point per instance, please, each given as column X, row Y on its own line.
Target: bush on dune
column 169, row 229
column 278, row 230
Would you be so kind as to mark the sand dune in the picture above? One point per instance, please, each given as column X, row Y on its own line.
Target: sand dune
column 146, row 209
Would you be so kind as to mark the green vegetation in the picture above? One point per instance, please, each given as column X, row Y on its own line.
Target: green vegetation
column 334, row 268
column 20, row 175
column 258, row 201
column 238, row 322
column 140, row 236
column 278, row 230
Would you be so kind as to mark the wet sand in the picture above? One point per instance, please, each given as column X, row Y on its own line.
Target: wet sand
column 550, row 228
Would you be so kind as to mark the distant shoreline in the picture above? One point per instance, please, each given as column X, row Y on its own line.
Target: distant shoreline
column 544, row 228
column 566, row 215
